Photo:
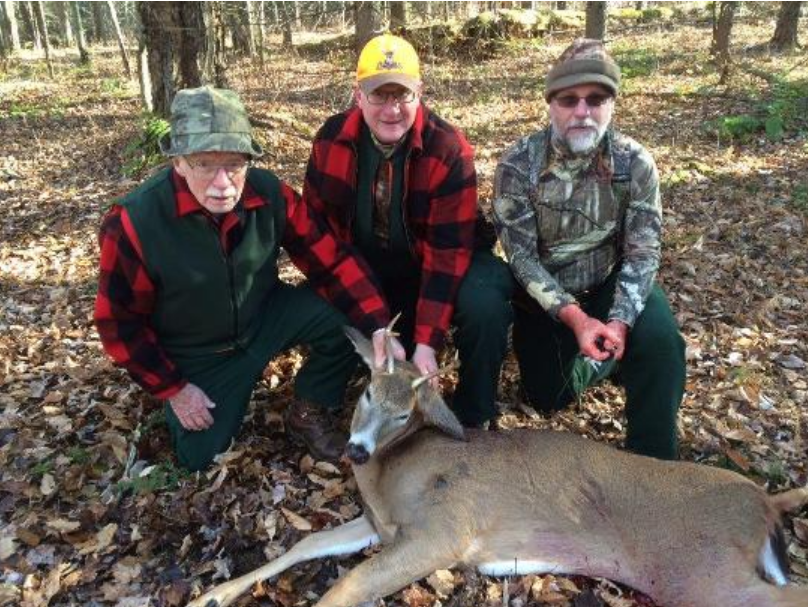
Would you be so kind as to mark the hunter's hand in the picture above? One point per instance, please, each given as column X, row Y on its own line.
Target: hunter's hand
column 192, row 407
column 596, row 340
column 380, row 339
column 424, row 358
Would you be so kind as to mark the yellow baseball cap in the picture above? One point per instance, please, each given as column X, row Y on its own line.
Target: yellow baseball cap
column 386, row 59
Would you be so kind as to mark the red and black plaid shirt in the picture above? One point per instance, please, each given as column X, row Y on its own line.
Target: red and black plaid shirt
column 440, row 204
column 127, row 296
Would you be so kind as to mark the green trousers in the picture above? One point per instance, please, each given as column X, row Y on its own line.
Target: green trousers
column 293, row 316
column 652, row 371
column 482, row 317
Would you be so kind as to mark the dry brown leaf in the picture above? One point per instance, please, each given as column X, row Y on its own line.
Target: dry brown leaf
column 297, row 521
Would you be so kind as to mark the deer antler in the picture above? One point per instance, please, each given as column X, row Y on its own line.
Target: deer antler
column 389, row 334
column 444, row 369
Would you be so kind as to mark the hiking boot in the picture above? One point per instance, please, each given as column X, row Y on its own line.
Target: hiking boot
column 316, row 429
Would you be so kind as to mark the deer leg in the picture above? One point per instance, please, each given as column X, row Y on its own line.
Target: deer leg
column 345, row 539
column 398, row 564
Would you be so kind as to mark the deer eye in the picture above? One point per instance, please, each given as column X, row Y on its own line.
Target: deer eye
column 402, row 417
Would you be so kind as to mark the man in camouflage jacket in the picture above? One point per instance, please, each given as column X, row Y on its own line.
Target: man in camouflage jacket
column 577, row 208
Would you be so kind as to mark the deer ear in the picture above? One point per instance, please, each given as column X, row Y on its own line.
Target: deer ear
column 361, row 344
column 437, row 413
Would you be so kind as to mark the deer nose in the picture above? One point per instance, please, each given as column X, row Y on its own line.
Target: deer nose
column 358, row 454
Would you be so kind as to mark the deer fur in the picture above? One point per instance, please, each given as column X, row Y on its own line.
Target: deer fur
column 525, row 501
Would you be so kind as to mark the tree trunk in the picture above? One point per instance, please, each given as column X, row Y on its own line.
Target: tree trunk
column 561, row 6
column 288, row 40
column 174, row 34
column 191, row 42
column 639, row 5
column 239, row 24
column 785, row 33
column 121, row 43
column 63, row 11
column 398, row 16
column 596, row 20
column 99, row 29
column 368, row 23
column 28, row 11
column 84, row 56
column 258, row 12
column 12, row 27
column 39, row 15
column 722, row 29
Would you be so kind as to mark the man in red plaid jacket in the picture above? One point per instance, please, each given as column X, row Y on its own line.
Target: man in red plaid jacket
column 398, row 182
column 189, row 299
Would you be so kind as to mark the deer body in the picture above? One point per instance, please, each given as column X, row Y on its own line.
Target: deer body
column 526, row 501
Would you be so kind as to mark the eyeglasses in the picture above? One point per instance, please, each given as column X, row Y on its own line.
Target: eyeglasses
column 571, row 101
column 377, row 98
column 209, row 171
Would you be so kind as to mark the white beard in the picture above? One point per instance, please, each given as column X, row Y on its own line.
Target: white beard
column 583, row 143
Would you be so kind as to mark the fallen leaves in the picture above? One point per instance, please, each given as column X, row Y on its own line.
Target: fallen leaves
column 92, row 507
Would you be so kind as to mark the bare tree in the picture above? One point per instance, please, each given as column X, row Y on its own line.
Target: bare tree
column 81, row 43
column 785, row 33
column 173, row 34
column 596, row 20
column 28, row 12
column 42, row 25
column 398, row 15
column 63, row 9
column 368, row 23
column 121, row 43
column 287, row 25
column 11, row 24
column 722, row 30
column 99, row 26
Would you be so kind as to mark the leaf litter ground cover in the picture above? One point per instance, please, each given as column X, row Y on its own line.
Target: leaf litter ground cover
column 93, row 509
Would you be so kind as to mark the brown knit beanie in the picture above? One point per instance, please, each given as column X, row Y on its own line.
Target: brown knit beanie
column 585, row 61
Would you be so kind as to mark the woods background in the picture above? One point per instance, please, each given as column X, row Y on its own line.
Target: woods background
column 94, row 511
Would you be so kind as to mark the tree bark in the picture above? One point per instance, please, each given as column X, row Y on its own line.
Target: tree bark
column 398, row 16
column 722, row 30
column 368, row 23
column 42, row 24
column 11, row 22
column 121, row 43
column 28, row 12
column 596, row 20
column 561, row 6
column 63, row 10
column 785, row 33
column 81, row 43
column 99, row 29
column 288, row 40
column 258, row 12
column 174, row 34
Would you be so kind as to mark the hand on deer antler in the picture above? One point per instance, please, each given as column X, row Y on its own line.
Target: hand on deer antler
column 424, row 358
column 386, row 346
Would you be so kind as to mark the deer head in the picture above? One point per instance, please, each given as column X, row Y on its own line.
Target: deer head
column 397, row 401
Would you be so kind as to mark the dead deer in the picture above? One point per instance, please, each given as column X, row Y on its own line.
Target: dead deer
column 526, row 501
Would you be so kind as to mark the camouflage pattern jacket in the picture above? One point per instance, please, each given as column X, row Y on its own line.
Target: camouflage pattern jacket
column 564, row 236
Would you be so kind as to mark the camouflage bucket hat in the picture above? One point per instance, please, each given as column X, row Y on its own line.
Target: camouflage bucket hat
column 206, row 119
column 585, row 61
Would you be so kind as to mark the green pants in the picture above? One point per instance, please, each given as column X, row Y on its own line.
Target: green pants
column 652, row 371
column 482, row 316
column 293, row 316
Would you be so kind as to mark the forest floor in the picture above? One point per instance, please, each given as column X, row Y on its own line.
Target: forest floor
column 93, row 509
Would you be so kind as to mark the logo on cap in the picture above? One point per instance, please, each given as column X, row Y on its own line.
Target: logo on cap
column 389, row 63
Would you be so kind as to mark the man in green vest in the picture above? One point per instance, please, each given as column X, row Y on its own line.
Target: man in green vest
column 189, row 299
column 578, row 212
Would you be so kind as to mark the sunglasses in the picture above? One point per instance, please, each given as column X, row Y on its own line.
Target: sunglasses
column 571, row 101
